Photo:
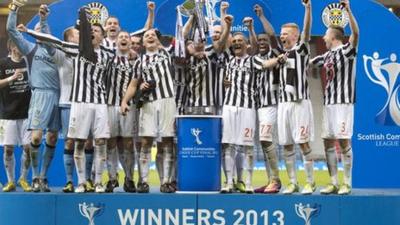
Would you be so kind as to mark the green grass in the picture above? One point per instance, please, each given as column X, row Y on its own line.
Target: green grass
column 259, row 178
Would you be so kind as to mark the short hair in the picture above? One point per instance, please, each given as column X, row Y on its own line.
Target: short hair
column 10, row 43
column 240, row 33
column 110, row 17
column 103, row 32
column 124, row 31
column 291, row 25
column 338, row 32
column 67, row 32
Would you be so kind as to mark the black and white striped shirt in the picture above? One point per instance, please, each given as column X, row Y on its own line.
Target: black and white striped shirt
column 340, row 68
column 241, row 72
column 293, row 84
column 199, row 82
column 218, row 65
column 156, row 66
column 268, row 83
column 89, row 83
column 110, row 44
column 119, row 76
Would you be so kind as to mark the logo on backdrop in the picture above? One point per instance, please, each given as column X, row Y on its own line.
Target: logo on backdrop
column 307, row 212
column 385, row 73
column 98, row 13
column 335, row 14
column 91, row 211
column 196, row 133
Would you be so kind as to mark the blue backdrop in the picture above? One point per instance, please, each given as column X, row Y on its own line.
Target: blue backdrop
column 376, row 146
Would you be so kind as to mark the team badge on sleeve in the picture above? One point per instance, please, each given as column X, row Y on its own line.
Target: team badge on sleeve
column 335, row 14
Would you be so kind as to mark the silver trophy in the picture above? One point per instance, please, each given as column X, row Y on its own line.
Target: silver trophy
column 90, row 211
column 307, row 212
column 385, row 72
column 196, row 133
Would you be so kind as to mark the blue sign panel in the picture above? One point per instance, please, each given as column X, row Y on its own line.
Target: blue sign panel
column 199, row 153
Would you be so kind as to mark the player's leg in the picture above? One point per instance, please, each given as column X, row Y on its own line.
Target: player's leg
column 101, row 132
column 159, row 162
column 112, row 164
column 25, row 137
column 129, row 157
column 167, row 110
column 229, row 136
column 35, row 146
column 331, row 161
column 9, row 165
column 89, row 165
column 347, row 159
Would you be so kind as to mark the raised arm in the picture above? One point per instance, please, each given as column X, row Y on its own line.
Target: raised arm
column 249, row 23
column 67, row 47
column 150, row 15
column 44, row 26
column 355, row 31
column 223, row 12
column 268, row 29
column 22, row 44
column 306, row 34
column 220, row 45
column 187, row 27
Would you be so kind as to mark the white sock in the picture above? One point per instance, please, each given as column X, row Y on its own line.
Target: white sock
column 159, row 164
column 25, row 163
column 309, row 166
column 129, row 159
column 290, row 163
column 167, row 164
column 9, row 164
column 80, row 163
column 239, row 162
column 272, row 161
column 331, row 161
column 249, row 156
column 229, row 155
column 100, row 161
column 347, row 158
column 144, row 164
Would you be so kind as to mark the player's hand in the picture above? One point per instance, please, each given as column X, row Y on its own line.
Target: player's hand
column 345, row 4
column 151, row 5
column 18, row 75
column 19, row 3
column 228, row 19
column 248, row 22
column 124, row 109
column 227, row 83
column 144, row 86
column 22, row 28
column 282, row 58
column 44, row 11
column 306, row 3
column 199, row 55
column 224, row 6
column 258, row 10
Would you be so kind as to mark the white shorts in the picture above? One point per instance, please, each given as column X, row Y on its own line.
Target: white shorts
column 2, row 127
column 337, row 121
column 121, row 126
column 267, row 123
column 16, row 132
column 88, row 118
column 295, row 122
column 157, row 118
column 238, row 125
